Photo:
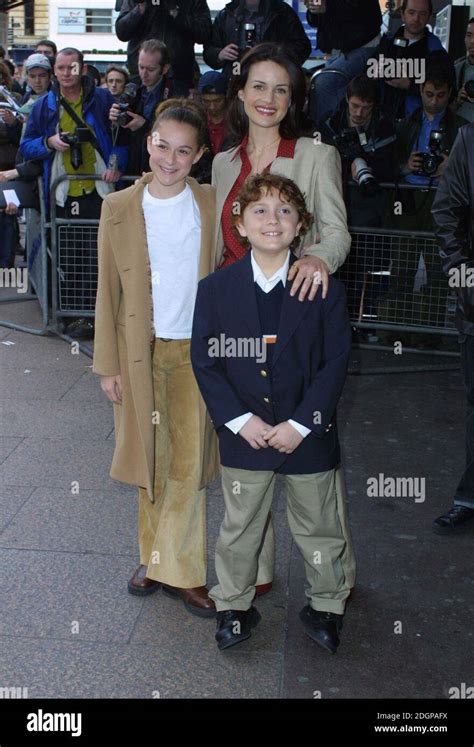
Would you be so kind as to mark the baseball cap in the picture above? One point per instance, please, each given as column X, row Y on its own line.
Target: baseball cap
column 37, row 60
column 213, row 80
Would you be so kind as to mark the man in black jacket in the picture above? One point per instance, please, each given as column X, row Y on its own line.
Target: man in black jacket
column 454, row 219
column 365, row 140
column 402, row 58
column 375, row 145
column 179, row 26
column 414, row 135
column 267, row 20
column 348, row 31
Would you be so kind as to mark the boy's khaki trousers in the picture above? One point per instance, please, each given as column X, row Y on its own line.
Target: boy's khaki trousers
column 318, row 521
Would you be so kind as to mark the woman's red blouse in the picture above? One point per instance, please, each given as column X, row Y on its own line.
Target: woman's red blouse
column 233, row 249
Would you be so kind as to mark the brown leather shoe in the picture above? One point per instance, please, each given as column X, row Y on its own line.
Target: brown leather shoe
column 262, row 589
column 195, row 600
column 140, row 585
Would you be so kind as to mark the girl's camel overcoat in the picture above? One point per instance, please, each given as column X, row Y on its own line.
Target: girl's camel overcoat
column 124, row 332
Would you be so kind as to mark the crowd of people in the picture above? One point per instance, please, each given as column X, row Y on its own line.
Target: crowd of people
column 252, row 170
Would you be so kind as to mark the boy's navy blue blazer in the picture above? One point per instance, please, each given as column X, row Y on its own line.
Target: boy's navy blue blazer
column 304, row 382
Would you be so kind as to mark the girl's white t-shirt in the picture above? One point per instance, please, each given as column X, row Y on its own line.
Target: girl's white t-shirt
column 173, row 229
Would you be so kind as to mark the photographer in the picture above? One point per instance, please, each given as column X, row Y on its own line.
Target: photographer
column 408, row 51
column 178, row 25
column 136, row 116
column 69, row 130
column 423, row 143
column 464, row 104
column 116, row 78
column 366, row 143
column 244, row 23
column 348, row 31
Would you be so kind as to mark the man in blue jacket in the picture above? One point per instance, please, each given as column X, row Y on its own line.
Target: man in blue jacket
column 75, row 108
column 271, row 370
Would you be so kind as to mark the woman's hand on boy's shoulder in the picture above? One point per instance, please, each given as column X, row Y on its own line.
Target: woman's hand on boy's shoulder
column 308, row 273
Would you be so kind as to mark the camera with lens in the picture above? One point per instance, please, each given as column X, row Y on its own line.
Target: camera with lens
column 124, row 102
column 350, row 144
column 250, row 37
column 469, row 88
column 430, row 161
column 75, row 140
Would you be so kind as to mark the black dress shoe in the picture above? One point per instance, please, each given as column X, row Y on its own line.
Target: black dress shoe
column 322, row 627
column 234, row 626
column 453, row 521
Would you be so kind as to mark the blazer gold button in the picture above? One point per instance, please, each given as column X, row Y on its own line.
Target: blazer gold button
column 263, row 373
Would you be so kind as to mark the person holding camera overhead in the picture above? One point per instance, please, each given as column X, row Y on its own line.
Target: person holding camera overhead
column 69, row 131
column 180, row 24
column 244, row 23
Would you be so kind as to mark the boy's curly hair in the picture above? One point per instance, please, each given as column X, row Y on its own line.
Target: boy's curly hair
column 261, row 184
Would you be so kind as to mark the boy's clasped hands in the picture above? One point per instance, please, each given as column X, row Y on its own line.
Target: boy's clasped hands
column 260, row 435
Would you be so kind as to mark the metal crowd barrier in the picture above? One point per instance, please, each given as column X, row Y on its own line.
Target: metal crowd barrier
column 36, row 270
column 74, row 262
column 391, row 284
column 395, row 281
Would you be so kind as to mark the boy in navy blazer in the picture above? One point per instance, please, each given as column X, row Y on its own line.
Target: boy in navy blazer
column 271, row 370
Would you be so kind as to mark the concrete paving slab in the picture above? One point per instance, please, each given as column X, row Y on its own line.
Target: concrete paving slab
column 79, row 669
column 8, row 446
column 20, row 312
column 66, row 595
column 54, row 520
column 45, row 352
column 56, row 463
column 19, row 382
column 23, row 416
column 87, row 389
column 11, row 501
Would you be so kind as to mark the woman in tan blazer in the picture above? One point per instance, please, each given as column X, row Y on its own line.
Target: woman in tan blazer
column 266, row 100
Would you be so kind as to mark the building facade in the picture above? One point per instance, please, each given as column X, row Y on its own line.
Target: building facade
column 28, row 23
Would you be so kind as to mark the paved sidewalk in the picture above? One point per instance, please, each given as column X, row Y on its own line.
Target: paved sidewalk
column 68, row 627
